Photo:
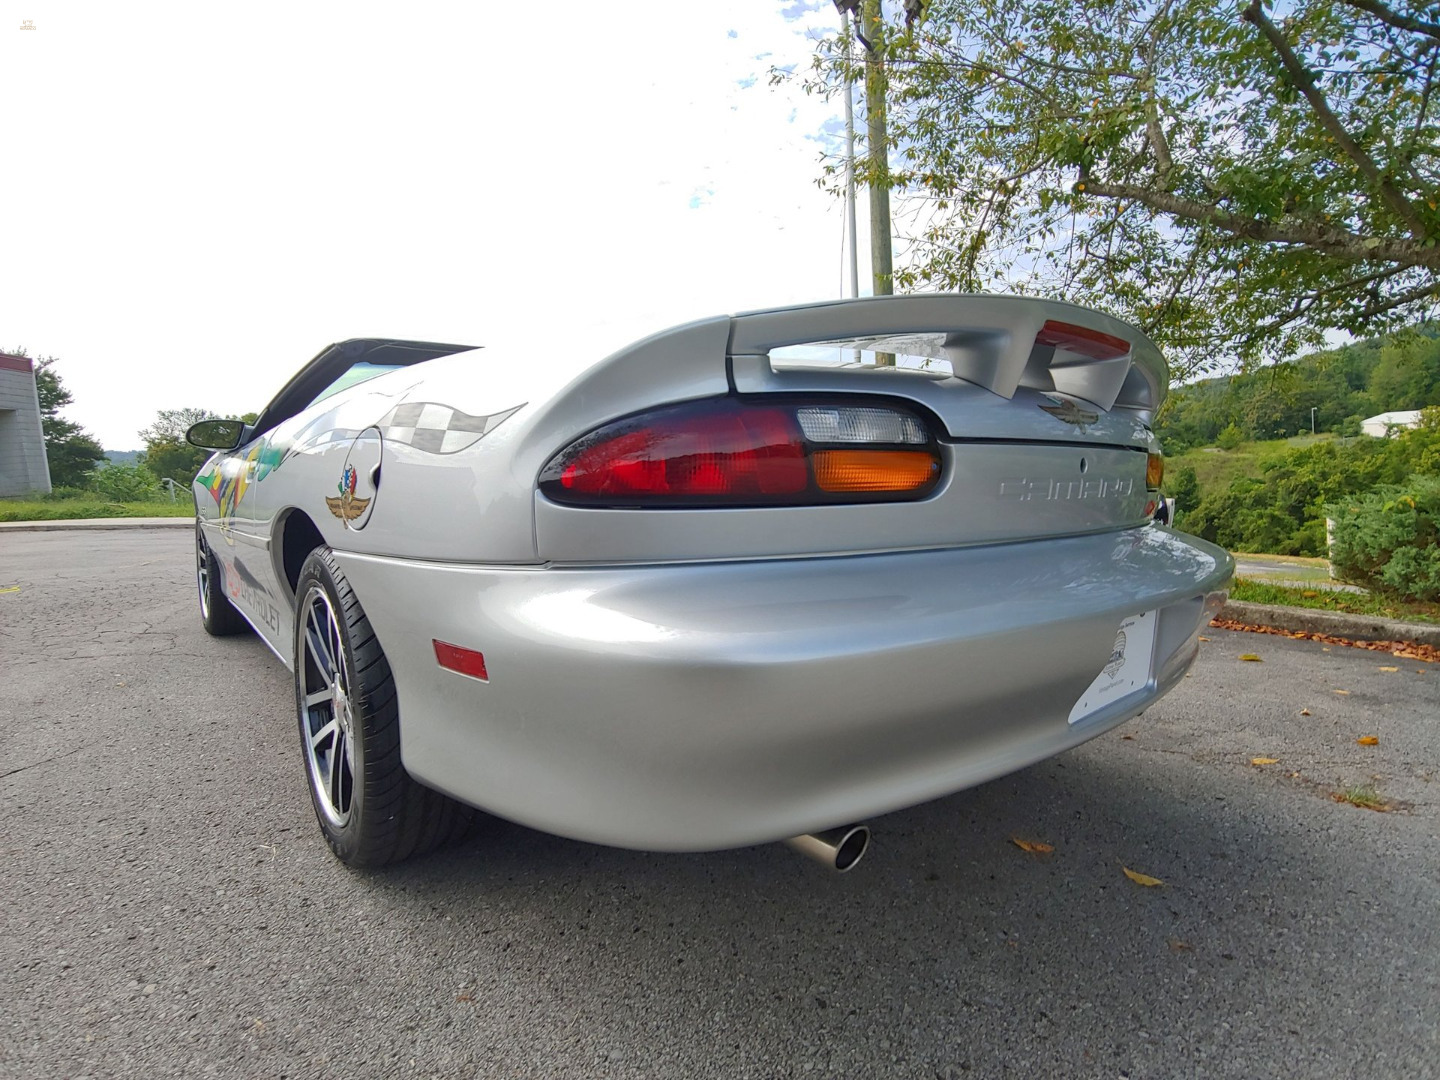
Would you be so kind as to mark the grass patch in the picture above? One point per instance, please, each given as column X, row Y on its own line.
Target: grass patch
column 1250, row 591
column 1362, row 795
column 92, row 507
column 1285, row 560
column 1215, row 468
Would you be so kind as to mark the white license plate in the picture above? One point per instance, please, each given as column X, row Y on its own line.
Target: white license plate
column 1127, row 670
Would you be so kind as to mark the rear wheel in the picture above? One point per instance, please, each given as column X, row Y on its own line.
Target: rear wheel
column 369, row 808
column 216, row 612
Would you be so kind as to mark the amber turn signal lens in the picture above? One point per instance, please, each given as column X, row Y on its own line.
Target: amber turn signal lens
column 874, row 470
column 1154, row 471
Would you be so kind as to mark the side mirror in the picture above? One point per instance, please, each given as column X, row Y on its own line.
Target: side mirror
column 216, row 434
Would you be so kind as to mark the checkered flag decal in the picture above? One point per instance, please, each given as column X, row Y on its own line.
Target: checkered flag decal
column 439, row 429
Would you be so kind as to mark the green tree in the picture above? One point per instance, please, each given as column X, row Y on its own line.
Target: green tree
column 166, row 451
column 70, row 450
column 1408, row 374
column 1184, row 488
column 1236, row 180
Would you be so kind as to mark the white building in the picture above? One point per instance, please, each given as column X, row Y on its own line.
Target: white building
column 23, row 467
column 1380, row 426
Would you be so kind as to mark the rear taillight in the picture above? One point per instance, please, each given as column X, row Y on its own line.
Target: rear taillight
column 728, row 452
column 1154, row 471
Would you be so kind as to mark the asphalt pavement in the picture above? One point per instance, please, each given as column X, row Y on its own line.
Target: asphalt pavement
column 168, row 908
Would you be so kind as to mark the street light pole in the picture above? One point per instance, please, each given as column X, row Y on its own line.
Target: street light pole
column 1312, row 418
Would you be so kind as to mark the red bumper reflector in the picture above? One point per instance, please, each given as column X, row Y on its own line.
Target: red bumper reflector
column 465, row 661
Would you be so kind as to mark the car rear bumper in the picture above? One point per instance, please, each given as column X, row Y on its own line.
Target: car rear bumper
column 701, row 706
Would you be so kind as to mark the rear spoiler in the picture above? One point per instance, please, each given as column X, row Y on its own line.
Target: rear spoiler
column 1001, row 343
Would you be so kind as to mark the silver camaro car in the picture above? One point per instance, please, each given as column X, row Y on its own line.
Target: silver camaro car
column 754, row 578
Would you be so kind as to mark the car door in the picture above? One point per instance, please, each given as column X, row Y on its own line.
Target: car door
column 240, row 538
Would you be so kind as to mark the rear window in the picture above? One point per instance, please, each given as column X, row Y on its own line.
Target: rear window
column 354, row 376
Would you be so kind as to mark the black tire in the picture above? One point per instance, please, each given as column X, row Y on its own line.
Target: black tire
column 217, row 614
column 369, row 808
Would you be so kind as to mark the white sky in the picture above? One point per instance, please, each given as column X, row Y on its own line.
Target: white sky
column 198, row 197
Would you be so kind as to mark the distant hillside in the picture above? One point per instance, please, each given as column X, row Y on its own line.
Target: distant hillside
column 123, row 457
column 1343, row 386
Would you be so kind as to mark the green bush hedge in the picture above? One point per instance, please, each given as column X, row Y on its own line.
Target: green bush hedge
column 1389, row 539
column 1282, row 511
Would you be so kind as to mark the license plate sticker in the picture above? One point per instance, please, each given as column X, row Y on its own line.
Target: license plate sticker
column 1127, row 670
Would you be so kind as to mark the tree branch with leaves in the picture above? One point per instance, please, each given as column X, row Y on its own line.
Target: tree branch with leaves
column 1238, row 181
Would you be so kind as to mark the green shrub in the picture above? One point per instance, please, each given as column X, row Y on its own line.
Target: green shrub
column 1282, row 510
column 1350, row 427
column 1389, row 539
column 125, row 483
column 1230, row 437
column 63, row 494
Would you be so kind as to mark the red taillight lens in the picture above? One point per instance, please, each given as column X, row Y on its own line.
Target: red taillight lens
column 694, row 451
column 728, row 452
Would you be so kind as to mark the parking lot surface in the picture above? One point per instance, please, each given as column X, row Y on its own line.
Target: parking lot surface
column 168, row 908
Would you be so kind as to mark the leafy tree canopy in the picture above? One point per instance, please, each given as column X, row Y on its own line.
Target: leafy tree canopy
column 1236, row 179
column 172, row 424
column 166, row 451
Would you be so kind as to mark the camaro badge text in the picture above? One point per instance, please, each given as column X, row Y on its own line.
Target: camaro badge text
column 1069, row 412
column 1049, row 489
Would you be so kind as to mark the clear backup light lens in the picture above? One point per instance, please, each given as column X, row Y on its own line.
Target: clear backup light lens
column 846, row 424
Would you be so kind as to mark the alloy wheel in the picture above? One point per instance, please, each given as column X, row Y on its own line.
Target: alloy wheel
column 326, row 713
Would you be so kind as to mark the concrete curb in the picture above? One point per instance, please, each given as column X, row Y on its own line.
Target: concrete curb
column 1337, row 624
column 97, row 523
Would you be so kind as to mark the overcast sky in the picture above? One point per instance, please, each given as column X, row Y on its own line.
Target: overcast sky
column 198, row 197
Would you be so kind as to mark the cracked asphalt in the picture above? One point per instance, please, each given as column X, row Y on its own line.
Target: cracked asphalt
column 169, row 910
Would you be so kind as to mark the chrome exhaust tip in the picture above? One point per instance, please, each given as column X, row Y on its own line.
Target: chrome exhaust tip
column 840, row 849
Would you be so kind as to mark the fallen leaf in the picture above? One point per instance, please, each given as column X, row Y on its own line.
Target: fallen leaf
column 1304, row 712
column 1141, row 879
column 463, row 997
column 1035, row 847
column 1177, row 945
column 1127, row 736
column 1389, row 669
column 1346, row 692
column 1201, row 637
column 1407, row 650
column 1251, row 657
column 1264, row 760
column 1369, row 740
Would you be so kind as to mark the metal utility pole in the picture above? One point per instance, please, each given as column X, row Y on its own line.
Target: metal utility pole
column 1312, row 418
column 850, row 176
column 882, row 276
column 873, row 37
column 846, row 9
